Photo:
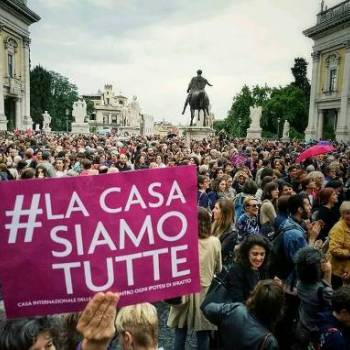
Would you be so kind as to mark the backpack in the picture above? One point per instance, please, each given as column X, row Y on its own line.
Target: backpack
column 279, row 265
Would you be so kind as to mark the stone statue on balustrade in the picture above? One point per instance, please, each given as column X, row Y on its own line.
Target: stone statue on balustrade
column 286, row 129
column 134, row 112
column 125, row 116
column 46, row 121
column 79, row 111
column 79, row 126
column 254, row 131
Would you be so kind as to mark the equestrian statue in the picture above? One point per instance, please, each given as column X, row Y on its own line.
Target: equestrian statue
column 197, row 98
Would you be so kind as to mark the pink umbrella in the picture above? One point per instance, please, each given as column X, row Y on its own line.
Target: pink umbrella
column 314, row 151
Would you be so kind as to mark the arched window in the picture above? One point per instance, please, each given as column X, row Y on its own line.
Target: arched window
column 332, row 73
column 11, row 47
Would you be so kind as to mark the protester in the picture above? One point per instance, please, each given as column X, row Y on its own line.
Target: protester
column 248, row 269
column 335, row 332
column 312, row 185
column 268, row 209
column 223, row 228
column 339, row 246
column 188, row 316
column 328, row 199
column 248, row 326
column 314, row 291
column 248, row 223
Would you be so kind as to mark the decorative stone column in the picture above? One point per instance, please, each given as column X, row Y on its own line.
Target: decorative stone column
column 18, row 114
column 310, row 132
column 3, row 119
column 342, row 132
column 320, row 122
column 27, row 122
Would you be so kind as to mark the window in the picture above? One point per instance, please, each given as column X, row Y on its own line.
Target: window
column 10, row 65
column 332, row 65
column 332, row 79
column 114, row 119
column 11, row 48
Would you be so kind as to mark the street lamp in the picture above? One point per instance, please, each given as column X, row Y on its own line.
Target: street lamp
column 67, row 115
column 278, row 127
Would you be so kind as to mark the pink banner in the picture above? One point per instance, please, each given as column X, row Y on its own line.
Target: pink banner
column 62, row 240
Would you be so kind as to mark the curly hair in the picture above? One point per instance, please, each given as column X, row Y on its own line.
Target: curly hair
column 248, row 244
column 308, row 265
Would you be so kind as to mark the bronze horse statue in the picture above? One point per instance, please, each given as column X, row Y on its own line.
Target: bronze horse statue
column 198, row 101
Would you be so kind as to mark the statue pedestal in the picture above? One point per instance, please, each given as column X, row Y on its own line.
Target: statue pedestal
column 196, row 133
column 254, row 133
column 47, row 129
column 128, row 131
column 3, row 123
column 80, row 128
column 285, row 139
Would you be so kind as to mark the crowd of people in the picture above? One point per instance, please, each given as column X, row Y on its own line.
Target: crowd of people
column 273, row 238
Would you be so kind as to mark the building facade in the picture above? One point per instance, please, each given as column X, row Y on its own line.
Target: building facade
column 15, row 19
column 329, row 114
column 115, row 112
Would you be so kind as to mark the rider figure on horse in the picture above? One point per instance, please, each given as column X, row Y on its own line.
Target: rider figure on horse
column 197, row 84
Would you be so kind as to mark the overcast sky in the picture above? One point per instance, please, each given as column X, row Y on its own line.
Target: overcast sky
column 152, row 48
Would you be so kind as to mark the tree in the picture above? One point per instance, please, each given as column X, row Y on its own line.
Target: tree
column 52, row 92
column 238, row 120
column 63, row 95
column 286, row 103
column 299, row 71
column 219, row 125
column 40, row 86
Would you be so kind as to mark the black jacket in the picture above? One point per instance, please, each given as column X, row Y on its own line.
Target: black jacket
column 228, row 241
column 238, row 328
column 241, row 280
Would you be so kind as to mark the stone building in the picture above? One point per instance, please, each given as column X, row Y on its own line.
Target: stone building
column 329, row 114
column 15, row 19
column 113, row 111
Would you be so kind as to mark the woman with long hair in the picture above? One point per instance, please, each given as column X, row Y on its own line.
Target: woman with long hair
column 188, row 316
column 219, row 191
column 223, row 228
column 268, row 209
column 327, row 199
column 249, row 326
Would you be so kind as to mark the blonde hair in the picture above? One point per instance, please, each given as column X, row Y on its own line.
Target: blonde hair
column 247, row 200
column 345, row 206
column 141, row 321
column 317, row 177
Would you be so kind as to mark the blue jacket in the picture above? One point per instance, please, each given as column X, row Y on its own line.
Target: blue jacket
column 293, row 240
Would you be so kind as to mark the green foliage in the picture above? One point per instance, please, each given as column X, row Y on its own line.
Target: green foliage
column 219, row 125
column 286, row 103
column 238, row 119
column 89, row 107
column 52, row 92
column 299, row 71
column 40, row 86
column 290, row 103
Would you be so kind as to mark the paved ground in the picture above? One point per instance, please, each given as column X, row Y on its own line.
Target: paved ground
column 166, row 334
